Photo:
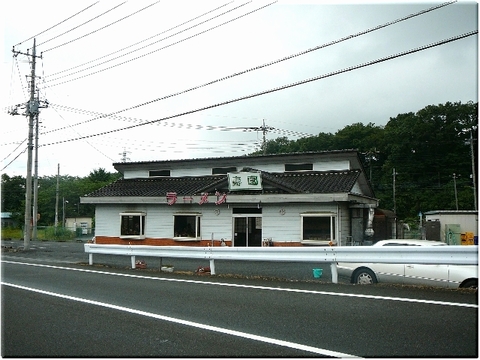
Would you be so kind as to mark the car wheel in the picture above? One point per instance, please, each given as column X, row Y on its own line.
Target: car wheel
column 364, row 277
column 470, row 284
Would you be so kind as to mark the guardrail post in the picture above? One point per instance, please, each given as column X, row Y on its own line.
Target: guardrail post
column 212, row 267
column 133, row 261
column 90, row 259
column 333, row 268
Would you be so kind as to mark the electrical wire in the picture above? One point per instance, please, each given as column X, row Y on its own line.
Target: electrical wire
column 57, row 24
column 139, row 42
column 154, row 51
column 273, row 62
column 149, row 53
column 6, row 157
column 259, row 67
column 177, row 125
column 83, row 138
column 102, row 28
column 76, row 27
column 302, row 82
column 16, row 157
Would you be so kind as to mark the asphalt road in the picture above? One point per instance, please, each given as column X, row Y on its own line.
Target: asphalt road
column 54, row 304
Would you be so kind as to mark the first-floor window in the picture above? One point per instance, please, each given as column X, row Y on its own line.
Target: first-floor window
column 186, row 225
column 318, row 227
column 132, row 225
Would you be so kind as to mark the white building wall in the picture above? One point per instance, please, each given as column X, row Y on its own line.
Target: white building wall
column 281, row 223
column 107, row 220
column 135, row 174
column 467, row 222
column 217, row 224
column 195, row 170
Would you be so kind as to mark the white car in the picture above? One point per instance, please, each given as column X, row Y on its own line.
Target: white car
column 452, row 276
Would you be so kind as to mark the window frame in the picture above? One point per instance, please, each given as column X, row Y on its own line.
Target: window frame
column 332, row 225
column 142, row 225
column 198, row 234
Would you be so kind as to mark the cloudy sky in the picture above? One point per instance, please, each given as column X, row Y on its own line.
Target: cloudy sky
column 158, row 80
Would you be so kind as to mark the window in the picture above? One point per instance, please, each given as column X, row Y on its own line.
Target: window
column 186, row 226
column 223, row 170
column 298, row 167
column 318, row 227
column 152, row 173
column 132, row 225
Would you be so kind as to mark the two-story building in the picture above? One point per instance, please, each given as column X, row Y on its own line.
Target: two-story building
column 314, row 198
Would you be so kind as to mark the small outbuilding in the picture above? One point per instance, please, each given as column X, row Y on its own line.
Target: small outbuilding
column 452, row 226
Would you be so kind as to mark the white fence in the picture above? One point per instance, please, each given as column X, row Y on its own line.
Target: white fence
column 448, row 255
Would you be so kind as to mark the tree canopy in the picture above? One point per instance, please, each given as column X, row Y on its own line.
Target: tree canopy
column 70, row 188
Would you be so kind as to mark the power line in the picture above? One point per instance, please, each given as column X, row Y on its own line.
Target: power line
column 176, row 125
column 85, row 140
column 57, row 24
column 153, row 51
column 272, row 62
column 259, row 67
column 320, row 77
column 76, row 27
column 103, row 27
column 15, row 158
column 139, row 42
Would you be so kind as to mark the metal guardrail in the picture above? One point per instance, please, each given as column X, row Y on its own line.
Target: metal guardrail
column 447, row 255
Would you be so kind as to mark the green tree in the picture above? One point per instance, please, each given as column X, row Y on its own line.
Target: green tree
column 70, row 189
column 425, row 149
column 13, row 196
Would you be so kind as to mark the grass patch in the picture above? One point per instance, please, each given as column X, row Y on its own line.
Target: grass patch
column 43, row 233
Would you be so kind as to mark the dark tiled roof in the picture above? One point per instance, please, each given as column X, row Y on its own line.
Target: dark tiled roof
column 159, row 186
column 317, row 182
column 294, row 183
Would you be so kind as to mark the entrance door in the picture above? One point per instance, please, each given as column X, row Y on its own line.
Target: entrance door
column 247, row 231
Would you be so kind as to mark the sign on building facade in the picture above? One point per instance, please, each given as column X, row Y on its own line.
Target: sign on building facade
column 244, row 181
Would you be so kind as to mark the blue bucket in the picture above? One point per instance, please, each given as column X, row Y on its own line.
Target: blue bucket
column 317, row 273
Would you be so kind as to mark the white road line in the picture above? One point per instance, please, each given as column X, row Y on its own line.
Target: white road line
column 330, row 293
column 241, row 334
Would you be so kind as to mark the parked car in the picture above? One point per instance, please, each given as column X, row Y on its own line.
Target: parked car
column 452, row 276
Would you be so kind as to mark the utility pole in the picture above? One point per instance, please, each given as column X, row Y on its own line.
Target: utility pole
column 124, row 155
column 35, row 179
column 56, row 197
column 455, row 187
column 473, row 170
column 394, row 173
column 32, row 109
column 394, row 204
column 264, row 130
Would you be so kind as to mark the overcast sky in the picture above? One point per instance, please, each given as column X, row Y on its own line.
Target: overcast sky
column 96, row 60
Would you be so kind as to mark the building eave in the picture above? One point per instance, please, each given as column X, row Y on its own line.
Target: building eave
column 244, row 199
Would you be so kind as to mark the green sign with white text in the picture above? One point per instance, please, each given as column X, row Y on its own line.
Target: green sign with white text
column 244, row 181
